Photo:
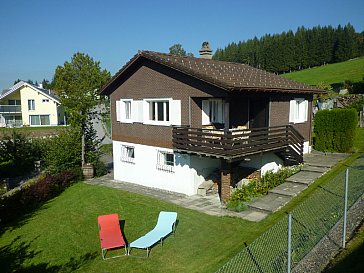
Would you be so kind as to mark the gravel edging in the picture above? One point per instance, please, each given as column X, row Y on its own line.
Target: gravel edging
column 330, row 245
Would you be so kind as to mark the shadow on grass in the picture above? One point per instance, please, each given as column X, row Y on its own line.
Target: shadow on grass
column 22, row 217
column 17, row 255
column 350, row 264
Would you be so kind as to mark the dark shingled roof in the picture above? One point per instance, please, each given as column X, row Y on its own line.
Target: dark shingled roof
column 226, row 75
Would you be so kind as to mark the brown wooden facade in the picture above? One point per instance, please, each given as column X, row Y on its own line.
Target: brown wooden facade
column 147, row 79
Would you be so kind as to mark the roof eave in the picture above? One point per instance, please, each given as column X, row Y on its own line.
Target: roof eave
column 277, row 90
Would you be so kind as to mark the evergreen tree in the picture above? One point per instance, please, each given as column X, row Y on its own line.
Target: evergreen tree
column 294, row 51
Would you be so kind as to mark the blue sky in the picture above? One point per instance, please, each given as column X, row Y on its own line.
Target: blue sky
column 36, row 36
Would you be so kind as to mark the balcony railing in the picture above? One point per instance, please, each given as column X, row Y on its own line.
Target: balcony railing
column 10, row 108
column 235, row 144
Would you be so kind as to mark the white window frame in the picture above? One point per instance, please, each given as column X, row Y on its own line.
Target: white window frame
column 163, row 163
column 31, row 105
column 126, row 111
column 213, row 111
column 40, row 120
column 148, row 110
column 127, row 154
column 298, row 111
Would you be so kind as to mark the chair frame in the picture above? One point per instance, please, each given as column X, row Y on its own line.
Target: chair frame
column 148, row 249
column 105, row 250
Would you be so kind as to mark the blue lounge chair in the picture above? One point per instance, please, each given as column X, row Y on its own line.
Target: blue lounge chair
column 165, row 225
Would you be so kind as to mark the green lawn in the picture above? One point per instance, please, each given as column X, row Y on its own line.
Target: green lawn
column 352, row 70
column 62, row 236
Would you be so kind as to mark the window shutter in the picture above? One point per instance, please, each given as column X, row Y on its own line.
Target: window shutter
column 292, row 107
column 117, row 106
column 305, row 107
column 175, row 112
column 137, row 111
column 122, row 115
column 205, row 112
column 221, row 111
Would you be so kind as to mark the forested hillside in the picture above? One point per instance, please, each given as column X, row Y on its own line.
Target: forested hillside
column 291, row 51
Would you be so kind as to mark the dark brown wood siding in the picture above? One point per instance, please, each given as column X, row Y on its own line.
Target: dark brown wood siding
column 279, row 113
column 151, row 80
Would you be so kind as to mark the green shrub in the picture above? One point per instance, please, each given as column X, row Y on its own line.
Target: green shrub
column 63, row 151
column 33, row 195
column 17, row 154
column 335, row 130
column 259, row 187
column 236, row 205
column 6, row 168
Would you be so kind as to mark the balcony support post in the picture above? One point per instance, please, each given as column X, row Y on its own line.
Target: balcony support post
column 226, row 180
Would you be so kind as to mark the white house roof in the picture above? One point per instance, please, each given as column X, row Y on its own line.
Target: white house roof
column 47, row 93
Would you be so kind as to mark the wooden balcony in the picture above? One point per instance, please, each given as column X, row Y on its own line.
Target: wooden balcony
column 238, row 144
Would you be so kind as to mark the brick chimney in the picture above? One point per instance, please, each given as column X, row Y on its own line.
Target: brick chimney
column 205, row 51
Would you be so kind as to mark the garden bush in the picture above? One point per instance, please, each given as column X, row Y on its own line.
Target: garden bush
column 34, row 194
column 17, row 154
column 63, row 151
column 334, row 130
column 255, row 187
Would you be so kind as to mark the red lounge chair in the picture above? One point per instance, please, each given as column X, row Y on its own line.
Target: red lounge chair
column 110, row 234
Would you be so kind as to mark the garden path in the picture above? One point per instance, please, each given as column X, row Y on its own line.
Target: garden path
column 315, row 165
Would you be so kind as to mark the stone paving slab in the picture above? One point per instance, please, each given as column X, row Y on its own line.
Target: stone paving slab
column 315, row 165
column 270, row 203
column 252, row 215
column 289, row 189
column 323, row 160
column 304, row 177
column 318, row 169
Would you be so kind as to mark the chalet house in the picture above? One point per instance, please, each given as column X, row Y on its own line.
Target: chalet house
column 30, row 105
column 175, row 120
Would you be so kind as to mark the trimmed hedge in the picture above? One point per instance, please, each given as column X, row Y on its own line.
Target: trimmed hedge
column 334, row 130
column 32, row 196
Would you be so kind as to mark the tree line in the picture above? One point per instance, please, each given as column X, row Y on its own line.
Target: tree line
column 291, row 51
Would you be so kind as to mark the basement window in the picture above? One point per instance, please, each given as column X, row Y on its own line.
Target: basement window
column 127, row 154
column 165, row 161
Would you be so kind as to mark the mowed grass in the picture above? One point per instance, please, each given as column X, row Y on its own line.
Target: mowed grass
column 352, row 70
column 62, row 236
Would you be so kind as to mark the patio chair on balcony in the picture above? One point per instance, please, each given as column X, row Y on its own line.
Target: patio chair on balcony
column 110, row 234
column 165, row 225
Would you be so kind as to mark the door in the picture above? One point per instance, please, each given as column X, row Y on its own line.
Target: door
column 258, row 113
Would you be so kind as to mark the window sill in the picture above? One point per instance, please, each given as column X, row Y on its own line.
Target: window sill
column 126, row 121
column 127, row 160
column 160, row 123
column 165, row 168
column 299, row 121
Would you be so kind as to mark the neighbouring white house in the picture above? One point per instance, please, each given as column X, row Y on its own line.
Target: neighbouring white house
column 25, row 104
column 178, row 120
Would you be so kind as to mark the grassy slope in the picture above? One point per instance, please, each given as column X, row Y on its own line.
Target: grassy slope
column 350, row 260
column 333, row 73
column 62, row 236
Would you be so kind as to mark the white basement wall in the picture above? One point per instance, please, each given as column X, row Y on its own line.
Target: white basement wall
column 189, row 171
